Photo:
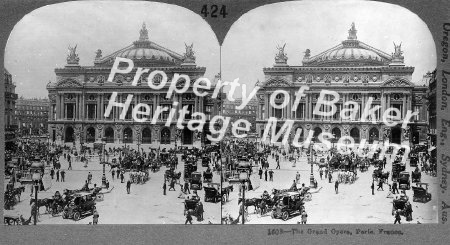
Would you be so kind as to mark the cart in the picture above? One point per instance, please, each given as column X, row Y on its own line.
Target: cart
column 421, row 194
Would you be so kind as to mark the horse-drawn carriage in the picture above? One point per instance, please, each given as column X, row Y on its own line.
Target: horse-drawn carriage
column 403, row 180
column 413, row 160
column 205, row 161
column 196, row 181
column 12, row 196
column 212, row 192
column 399, row 204
column 421, row 194
column 13, row 218
column 207, row 176
column 396, row 169
column 191, row 204
column 378, row 174
column 289, row 204
column 416, row 176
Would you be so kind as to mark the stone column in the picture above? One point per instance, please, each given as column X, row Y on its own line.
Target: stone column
column 383, row 105
column 388, row 101
column 267, row 106
column 102, row 110
column 58, row 107
column 405, row 97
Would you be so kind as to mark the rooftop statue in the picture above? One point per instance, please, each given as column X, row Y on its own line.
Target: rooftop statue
column 72, row 57
column 307, row 54
column 281, row 57
column 398, row 51
column 189, row 55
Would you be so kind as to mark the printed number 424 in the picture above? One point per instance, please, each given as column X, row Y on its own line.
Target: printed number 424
column 213, row 11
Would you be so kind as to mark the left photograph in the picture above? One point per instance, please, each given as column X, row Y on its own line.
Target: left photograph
column 109, row 116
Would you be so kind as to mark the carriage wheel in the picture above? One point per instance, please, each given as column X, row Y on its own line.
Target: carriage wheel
column 273, row 215
column 77, row 216
column 100, row 196
column 308, row 196
column 285, row 216
column 65, row 215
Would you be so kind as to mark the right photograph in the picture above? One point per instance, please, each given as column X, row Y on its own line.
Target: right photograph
column 337, row 121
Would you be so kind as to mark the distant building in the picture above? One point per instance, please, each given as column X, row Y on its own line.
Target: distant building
column 10, row 104
column 32, row 116
column 431, row 97
column 248, row 113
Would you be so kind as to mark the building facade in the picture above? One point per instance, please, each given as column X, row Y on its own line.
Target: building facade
column 32, row 116
column 81, row 94
column 431, row 96
column 10, row 104
column 248, row 113
column 356, row 71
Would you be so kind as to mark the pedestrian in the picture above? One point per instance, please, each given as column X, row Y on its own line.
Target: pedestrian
column 260, row 173
column 188, row 217
column 112, row 174
column 200, row 211
column 63, row 175
column 70, row 166
column 121, row 177
column 172, row 185
column 52, row 173
column 329, row 177
column 271, row 175
column 304, row 217
column 408, row 211
column 265, row 175
column 394, row 187
column 293, row 186
column 336, row 186
column 397, row 217
column 95, row 216
column 321, row 173
column 373, row 188
column 107, row 184
column 380, row 185
column 89, row 177
column 278, row 164
column 128, row 186
column 186, row 187
column 326, row 172
column 164, row 188
column 297, row 177
column 57, row 175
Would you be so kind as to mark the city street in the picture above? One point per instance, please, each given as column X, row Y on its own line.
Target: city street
column 146, row 203
column 354, row 203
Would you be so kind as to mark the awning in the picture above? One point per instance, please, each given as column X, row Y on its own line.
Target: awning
column 431, row 149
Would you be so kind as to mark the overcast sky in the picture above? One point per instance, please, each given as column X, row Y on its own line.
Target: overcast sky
column 251, row 42
column 38, row 43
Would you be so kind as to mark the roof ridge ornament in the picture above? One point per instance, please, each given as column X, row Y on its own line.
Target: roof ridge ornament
column 189, row 55
column 143, row 33
column 352, row 32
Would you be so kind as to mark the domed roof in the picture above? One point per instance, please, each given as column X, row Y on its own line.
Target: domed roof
column 350, row 52
column 143, row 52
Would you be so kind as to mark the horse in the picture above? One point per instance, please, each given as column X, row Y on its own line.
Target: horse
column 46, row 202
column 251, row 202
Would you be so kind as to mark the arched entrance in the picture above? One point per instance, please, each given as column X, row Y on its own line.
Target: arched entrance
column 336, row 132
column 354, row 133
column 187, row 136
column 317, row 132
column 396, row 135
column 127, row 135
column 109, row 135
column 373, row 135
column 146, row 136
column 68, row 136
column 302, row 134
column 165, row 136
column 90, row 135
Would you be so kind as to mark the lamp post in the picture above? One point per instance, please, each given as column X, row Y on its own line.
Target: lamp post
column 36, row 177
column 311, row 177
column 243, row 177
column 103, row 161
column 125, row 138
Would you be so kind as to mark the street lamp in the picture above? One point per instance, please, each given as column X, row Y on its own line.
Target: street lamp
column 36, row 177
column 103, row 160
column 125, row 138
column 243, row 177
column 139, row 143
column 311, row 177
